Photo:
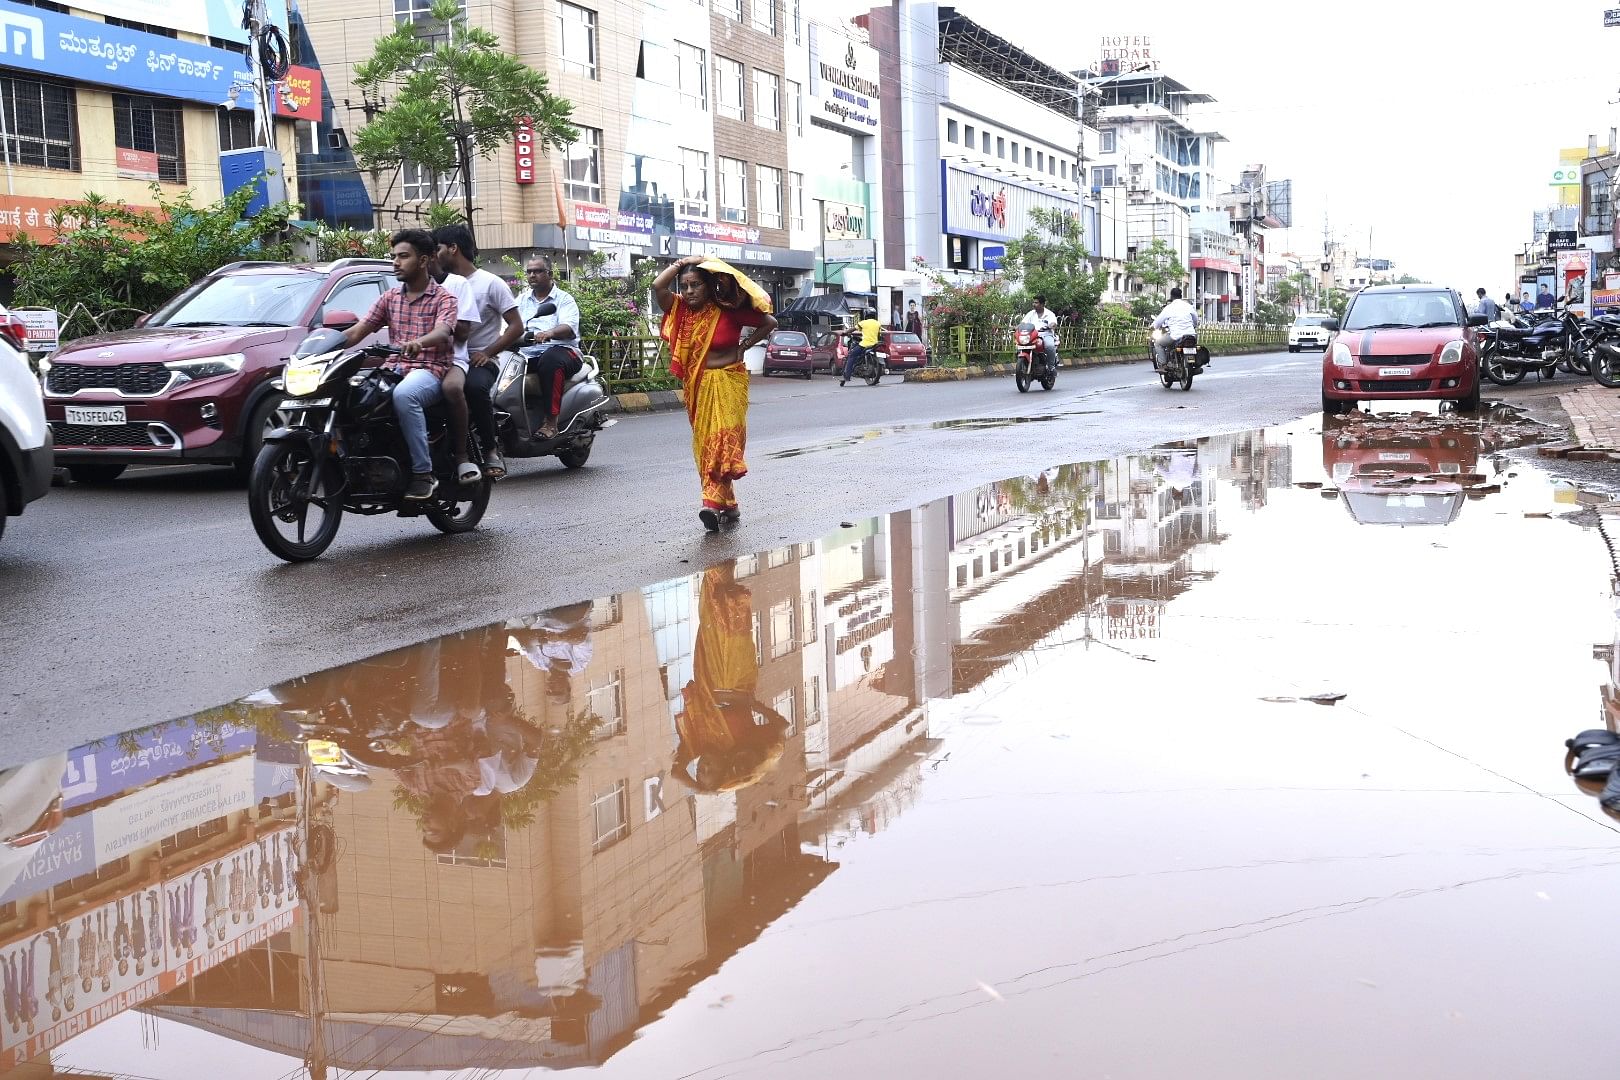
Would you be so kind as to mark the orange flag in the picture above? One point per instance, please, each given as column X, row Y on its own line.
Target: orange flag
column 564, row 219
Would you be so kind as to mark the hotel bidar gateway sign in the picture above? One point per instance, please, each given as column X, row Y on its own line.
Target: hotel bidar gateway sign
column 991, row 207
column 844, row 82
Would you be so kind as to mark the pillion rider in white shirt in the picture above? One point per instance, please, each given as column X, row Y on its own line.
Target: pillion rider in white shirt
column 1177, row 320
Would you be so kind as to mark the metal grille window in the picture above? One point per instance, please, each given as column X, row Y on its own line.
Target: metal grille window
column 610, row 816
column 767, row 100
column 694, row 182
column 764, row 13
column 810, row 613
column 150, row 126
column 41, row 123
column 797, row 198
column 582, row 166
column 770, row 196
column 478, row 850
column 798, row 25
column 576, row 36
column 236, row 130
column 728, row 87
column 420, row 184
column 733, row 190
column 692, row 75
column 785, row 706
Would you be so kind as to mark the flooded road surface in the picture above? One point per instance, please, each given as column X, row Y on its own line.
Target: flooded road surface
column 1240, row 758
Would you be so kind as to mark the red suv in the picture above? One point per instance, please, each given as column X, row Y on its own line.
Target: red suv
column 193, row 382
column 1402, row 341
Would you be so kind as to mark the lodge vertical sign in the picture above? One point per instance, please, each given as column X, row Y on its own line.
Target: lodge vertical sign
column 844, row 82
column 523, row 143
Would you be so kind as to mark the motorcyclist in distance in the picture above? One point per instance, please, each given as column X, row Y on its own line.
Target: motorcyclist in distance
column 1177, row 320
column 1045, row 322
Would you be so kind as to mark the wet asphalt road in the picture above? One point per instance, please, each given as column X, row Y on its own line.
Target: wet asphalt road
column 152, row 598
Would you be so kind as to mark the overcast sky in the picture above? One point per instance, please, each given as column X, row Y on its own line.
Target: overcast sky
column 1436, row 126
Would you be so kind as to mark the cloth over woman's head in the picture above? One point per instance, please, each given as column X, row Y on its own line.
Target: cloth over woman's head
column 730, row 286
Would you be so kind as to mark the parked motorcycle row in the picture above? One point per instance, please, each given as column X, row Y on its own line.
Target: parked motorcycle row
column 342, row 450
column 1546, row 341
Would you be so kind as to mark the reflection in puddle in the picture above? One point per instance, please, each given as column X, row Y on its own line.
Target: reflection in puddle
column 928, row 791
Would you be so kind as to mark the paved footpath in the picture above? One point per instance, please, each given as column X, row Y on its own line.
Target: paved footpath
column 1595, row 414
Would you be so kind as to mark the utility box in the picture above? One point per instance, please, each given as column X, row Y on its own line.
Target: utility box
column 258, row 167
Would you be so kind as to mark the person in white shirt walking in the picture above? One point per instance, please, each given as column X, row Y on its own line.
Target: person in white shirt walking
column 1046, row 322
column 1177, row 320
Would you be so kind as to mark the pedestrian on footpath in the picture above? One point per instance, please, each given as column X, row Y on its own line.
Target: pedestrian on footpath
column 718, row 316
column 1487, row 307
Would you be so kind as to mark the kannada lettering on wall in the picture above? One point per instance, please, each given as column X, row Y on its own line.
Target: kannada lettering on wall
column 991, row 207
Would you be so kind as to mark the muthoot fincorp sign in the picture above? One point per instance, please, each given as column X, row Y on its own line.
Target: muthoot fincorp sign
column 844, row 82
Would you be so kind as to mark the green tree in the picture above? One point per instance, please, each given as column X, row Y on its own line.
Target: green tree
column 1156, row 267
column 1337, row 301
column 1272, row 313
column 1285, row 293
column 1408, row 279
column 440, row 107
column 116, row 262
column 1051, row 260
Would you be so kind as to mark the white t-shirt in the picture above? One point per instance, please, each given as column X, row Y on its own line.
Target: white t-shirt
column 466, row 312
column 493, row 300
column 1043, row 320
column 1177, row 319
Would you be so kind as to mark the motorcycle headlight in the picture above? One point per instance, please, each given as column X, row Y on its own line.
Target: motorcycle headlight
column 1452, row 353
column 207, row 367
column 1341, row 355
column 303, row 379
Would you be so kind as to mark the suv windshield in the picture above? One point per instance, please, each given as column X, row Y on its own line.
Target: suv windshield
column 1310, row 320
column 1379, row 311
column 243, row 300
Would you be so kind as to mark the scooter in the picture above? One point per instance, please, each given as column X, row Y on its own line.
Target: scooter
column 519, row 406
column 1186, row 359
column 1034, row 365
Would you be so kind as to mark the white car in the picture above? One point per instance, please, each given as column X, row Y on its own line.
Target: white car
column 1309, row 331
column 25, row 439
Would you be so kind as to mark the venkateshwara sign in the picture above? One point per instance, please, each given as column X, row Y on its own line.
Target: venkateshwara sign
column 844, row 82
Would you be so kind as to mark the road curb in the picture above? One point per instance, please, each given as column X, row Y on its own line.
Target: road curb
column 651, row 401
column 985, row 371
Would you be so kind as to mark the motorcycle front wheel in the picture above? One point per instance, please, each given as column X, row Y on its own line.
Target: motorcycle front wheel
column 465, row 514
column 281, row 495
column 1499, row 373
column 1580, row 357
column 1606, row 368
column 1021, row 377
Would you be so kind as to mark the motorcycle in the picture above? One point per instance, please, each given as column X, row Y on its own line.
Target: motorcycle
column 342, row 451
column 1508, row 350
column 1186, row 359
column 1034, row 364
column 869, row 365
column 519, row 405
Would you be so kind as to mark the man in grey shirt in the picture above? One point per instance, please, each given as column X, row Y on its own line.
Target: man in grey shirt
column 497, row 329
column 1487, row 306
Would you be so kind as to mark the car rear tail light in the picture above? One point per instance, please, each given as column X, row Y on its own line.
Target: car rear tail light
column 15, row 331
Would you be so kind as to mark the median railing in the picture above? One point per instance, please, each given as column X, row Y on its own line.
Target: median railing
column 959, row 346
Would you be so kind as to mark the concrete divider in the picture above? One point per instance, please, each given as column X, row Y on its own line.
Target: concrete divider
column 985, row 371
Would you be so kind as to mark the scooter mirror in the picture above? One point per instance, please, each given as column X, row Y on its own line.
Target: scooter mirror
column 339, row 320
column 547, row 308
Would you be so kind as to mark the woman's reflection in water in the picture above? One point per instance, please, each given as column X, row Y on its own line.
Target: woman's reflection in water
column 728, row 739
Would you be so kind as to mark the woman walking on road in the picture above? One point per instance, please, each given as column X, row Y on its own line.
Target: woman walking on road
column 718, row 316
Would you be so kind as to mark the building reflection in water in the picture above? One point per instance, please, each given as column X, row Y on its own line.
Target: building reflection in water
column 536, row 836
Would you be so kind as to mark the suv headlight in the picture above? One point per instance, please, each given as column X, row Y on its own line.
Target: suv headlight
column 207, row 367
column 1452, row 353
column 304, row 379
column 1341, row 355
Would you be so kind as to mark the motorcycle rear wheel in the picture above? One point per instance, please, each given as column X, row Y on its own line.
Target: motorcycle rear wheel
column 577, row 455
column 465, row 514
column 1049, row 380
column 273, row 502
column 1164, row 377
column 1580, row 357
column 1186, row 381
column 873, row 374
column 1500, row 374
column 1606, row 370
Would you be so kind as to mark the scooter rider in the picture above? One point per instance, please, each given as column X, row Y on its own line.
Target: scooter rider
column 561, row 361
column 497, row 330
column 1177, row 320
column 1045, row 322
column 421, row 317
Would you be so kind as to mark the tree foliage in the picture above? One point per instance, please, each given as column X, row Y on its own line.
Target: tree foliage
column 973, row 303
column 1337, row 301
column 442, row 106
column 1157, row 268
column 113, row 263
column 1051, row 260
column 1273, row 313
column 610, row 305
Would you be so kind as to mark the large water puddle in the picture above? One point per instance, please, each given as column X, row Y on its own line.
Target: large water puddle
column 1239, row 758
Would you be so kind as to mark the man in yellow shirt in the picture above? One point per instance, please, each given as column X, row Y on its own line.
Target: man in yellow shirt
column 870, row 330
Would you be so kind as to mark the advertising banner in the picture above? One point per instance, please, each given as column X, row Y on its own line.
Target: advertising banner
column 601, row 225
column 720, row 232
column 992, row 207
column 67, row 47
column 182, row 802
column 42, row 326
column 842, row 221
column 102, row 770
column 1575, row 280
column 214, row 18
column 69, row 851
column 302, row 98
column 844, row 82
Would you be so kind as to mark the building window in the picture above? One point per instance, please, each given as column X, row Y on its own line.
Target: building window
column 1001, row 147
column 1103, row 176
column 798, row 25
column 694, row 182
column 1029, row 158
column 1040, row 161
column 797, row 197
column 41, row 124
column 764, row 12
column 967, row 137
column 809, row 614
column 767, row 100
column 783, row 639
column 732, row 190
column 795, row 104
column 753, row 628
column 576, row 39
column 418, row 184
column 607, row 612
column 1015, row 151
column 604, row 699
column 582, row 166
column 986, row 137
column 781, row 556
column 610, row 814
column 730, row 9
column 151, row 127
column 1105, row 142
column 692, row 75
column 420, row 12
column 728, row 87
column 784, row 706
column 236, row 130
column 950, row 131
column 1065, row 170
column 812, row 701
column 478, row 849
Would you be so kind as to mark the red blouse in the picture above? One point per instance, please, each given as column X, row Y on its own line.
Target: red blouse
column 728, row 331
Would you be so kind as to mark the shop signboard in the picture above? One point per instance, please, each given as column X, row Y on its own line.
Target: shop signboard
column 42, row 327
column 300, row 98
column 210, row 18
column 843, row 221
column 600, row 225
column 992, row 207
column 144, row 817
column 719, row 232
column 65, row 854
column 845, row 82
column 1575, row 280
column 104, row 54
column 102, row 770
column 849, row 250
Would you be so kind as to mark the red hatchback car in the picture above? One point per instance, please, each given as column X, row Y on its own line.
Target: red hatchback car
column 902, row 349
column 1402, row 341
column 193, row 383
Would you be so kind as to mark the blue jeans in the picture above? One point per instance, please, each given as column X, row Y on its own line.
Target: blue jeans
column 419, row 389
column 849, row 361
